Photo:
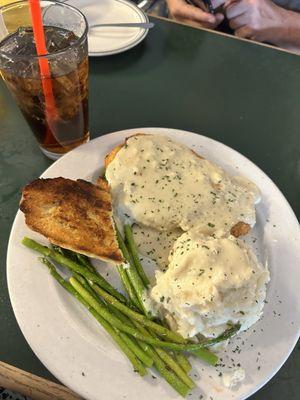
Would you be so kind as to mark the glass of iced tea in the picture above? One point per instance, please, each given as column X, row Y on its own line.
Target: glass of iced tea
column 64, row 125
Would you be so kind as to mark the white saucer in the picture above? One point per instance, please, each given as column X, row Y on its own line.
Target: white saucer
column 111, row 40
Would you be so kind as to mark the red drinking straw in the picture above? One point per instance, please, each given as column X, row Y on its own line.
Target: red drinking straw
column 40, row 44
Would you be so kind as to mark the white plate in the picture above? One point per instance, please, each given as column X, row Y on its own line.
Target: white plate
column 77, row 351
column 109, row 40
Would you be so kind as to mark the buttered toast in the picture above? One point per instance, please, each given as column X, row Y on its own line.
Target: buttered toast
column 75, row 215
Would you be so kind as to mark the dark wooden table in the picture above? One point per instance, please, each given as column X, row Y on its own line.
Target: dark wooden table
column 242, row 94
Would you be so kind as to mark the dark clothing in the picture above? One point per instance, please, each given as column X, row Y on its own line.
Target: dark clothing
column 289, row 4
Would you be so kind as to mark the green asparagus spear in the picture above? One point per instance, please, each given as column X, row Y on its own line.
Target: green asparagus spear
column 183, row 362
column 127, row 285
column 163, row 368
column 123, row 276
column 181, row 359
column 106, row 314
column 132, row 273
column 85, row 284
column 175, row 367
column 85, row 262
column 161, row 352
column 190, row 347
column 162, row 331
column 109, row 298
column 167, row 334
column 137, row 365
column 206, row 355
column 146, row 358
column 167, row 359
column 131, row 343
column 122, row 317
column 137, row 350
column 179, row 386
column 158, row 361
column 169, row 376
column 73, row 266
column 133, row 250
column 67, row 253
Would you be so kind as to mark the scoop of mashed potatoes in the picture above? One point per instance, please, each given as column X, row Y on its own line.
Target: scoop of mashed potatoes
column 209, row 282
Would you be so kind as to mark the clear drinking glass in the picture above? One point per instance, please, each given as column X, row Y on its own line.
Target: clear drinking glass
column 65, row 27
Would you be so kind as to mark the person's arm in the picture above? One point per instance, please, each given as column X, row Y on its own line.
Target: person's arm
column 264, row 21
column 181, row 11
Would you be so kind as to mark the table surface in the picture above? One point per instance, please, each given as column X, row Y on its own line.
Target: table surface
column 242, row 94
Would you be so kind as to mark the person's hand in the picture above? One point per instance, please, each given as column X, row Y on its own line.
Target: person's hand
column 195, row 16
column 258, row 20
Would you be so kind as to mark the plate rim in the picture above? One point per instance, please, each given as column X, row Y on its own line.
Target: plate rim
column 159, row 129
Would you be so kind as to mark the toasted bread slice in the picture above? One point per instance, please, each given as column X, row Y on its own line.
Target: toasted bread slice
column 75, row 215
column 239, row 229
column 110, row 156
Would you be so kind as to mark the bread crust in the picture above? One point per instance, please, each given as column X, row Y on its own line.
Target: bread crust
column 75, row 215
column 112, row 154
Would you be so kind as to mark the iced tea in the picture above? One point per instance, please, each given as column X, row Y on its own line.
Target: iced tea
column 68, row 63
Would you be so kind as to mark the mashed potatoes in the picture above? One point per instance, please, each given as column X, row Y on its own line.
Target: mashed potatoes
column 210, row 282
